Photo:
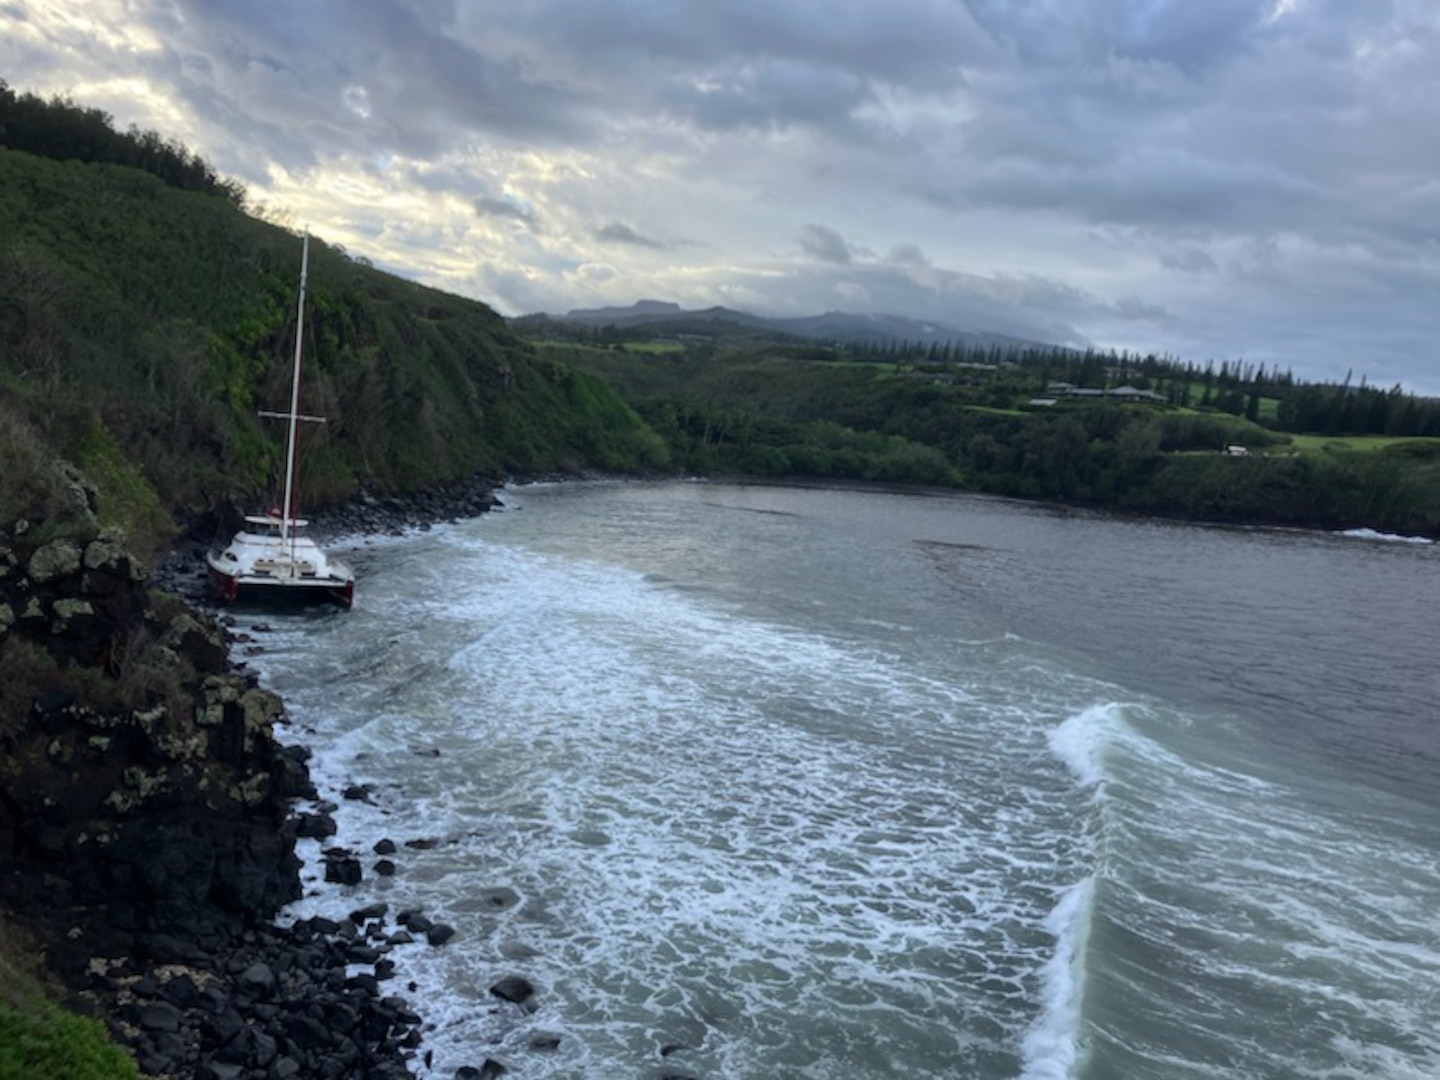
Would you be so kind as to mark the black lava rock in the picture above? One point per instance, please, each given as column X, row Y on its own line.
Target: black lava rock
column 513, row 988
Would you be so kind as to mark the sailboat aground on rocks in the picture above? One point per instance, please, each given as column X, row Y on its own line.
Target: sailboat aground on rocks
column 271, row 557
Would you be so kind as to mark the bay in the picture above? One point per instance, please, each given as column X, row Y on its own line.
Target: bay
column 836, row 783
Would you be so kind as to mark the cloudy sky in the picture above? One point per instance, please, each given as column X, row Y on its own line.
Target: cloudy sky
column 1214, row 179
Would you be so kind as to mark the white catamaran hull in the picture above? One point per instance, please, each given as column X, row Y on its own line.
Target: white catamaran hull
column 265, row 563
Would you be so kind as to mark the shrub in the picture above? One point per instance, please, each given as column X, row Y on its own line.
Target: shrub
column 42, row 1040
column 38, row 1039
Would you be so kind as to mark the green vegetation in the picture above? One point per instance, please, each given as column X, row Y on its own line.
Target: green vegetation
column 144, row 319
column 741, row 406
column 652, row 347
column 142, row 325
column 38, row 1039
column 41, row 1040
column 65, row 131
column 1310, row 443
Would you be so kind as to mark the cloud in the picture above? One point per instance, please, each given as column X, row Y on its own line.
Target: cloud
column 909, row 255
column 1188, row 259
column 1194, row 38
column 774, row 95
column 1169, row 192
column 824, row 244
column 1136, row 310
column 1233, row 178
column 488, row 206
column 619, row 233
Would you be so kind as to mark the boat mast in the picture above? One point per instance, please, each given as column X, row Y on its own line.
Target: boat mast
column 287, row 511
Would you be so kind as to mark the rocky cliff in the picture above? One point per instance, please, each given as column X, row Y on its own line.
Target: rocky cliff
column 142, row 789
column 146, row 832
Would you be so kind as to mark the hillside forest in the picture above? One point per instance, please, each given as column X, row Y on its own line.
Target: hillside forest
column 146, row 319
column 1147, row 435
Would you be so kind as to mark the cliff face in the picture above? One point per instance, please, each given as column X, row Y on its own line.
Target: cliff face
column 141, row 790
column 146, row 834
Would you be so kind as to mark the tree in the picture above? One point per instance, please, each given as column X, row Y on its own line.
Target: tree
column 65, row 131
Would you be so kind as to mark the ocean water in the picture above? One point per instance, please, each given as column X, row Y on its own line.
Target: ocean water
column 819, row 783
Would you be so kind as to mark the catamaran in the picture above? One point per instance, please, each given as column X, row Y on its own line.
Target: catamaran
column 271, row 556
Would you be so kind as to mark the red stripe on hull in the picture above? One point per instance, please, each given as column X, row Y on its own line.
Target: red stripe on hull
column 226, row 587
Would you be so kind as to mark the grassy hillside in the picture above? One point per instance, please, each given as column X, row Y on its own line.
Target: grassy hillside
column 142, row 327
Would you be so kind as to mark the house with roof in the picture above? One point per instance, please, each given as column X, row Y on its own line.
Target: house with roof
column 1127, row 393
column 1131, row 393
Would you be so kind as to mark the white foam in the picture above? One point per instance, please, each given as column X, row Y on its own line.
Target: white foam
column 812, row 854
column 1052, row 1045
column 1081, row 741
column 1368, row 1061
column 1393, row 538
column 810, row 850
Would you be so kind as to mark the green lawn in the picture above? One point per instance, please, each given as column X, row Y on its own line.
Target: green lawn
column 994, row 411
column 654, row 347
column 541, row 343
column 650, row 347
column 1354, row 442
column 1264, row 410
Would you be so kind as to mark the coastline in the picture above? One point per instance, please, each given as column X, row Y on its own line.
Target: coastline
column 167, row 928
column 153, row 848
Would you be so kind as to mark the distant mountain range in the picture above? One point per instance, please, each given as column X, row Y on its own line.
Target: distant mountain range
column 659, row 316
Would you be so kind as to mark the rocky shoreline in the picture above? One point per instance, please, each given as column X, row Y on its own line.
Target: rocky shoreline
column 182, row 571
column 152, row 842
